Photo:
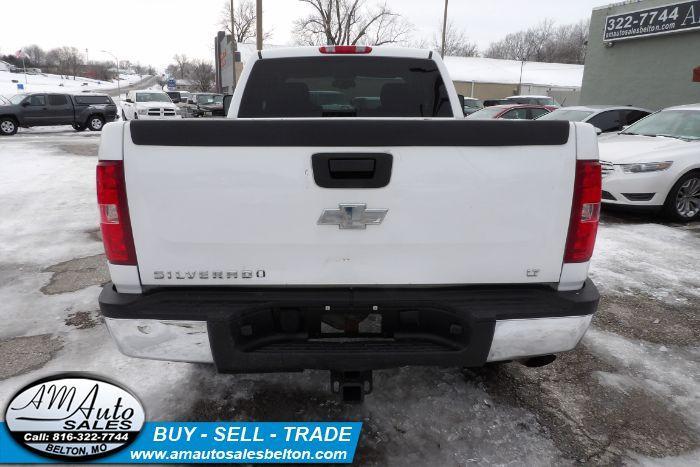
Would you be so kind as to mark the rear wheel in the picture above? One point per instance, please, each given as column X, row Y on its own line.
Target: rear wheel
column 683, row 201
column 95, row 123
column 8, row 126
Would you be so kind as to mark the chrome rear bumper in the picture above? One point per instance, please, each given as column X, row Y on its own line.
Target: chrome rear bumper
column 188, row 341
column 176, row 341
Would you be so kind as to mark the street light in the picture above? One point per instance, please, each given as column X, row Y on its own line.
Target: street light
column 119, row 88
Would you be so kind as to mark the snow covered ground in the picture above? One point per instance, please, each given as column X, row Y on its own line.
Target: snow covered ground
column 57, row 83
column 630, row 394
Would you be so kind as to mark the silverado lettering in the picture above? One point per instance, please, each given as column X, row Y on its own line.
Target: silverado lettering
column 179, row 275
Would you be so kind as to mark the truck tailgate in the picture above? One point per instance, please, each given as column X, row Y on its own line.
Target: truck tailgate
column 235, row 202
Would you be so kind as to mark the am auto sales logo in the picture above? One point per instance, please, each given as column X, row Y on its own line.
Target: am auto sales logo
column 74, row 417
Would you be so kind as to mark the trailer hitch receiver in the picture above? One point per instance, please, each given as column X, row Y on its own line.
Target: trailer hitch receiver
column 351, row 385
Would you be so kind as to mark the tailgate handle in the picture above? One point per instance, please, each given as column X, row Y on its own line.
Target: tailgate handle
column 352, row 170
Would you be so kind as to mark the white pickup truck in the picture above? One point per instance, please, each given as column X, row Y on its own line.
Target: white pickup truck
column 149, row 105
column 395, row 233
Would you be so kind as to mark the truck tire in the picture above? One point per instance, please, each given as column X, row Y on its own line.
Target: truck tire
column 683, row 201
column 95, row 123
column 8, row 126
column 78, row 127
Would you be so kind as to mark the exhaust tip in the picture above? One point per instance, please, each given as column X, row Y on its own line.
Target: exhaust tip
column 541, row 360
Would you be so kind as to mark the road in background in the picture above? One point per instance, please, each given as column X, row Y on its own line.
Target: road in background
column 143, row 84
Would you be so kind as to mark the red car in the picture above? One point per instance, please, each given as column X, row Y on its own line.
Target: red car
column 512, row 112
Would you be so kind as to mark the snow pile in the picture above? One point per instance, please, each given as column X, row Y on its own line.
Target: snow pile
column 491, row 70
column 57, row 193
column 633, row 259
column 57, row 83
column 671, row 374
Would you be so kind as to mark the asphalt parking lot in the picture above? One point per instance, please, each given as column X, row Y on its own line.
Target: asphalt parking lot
column 630, row 394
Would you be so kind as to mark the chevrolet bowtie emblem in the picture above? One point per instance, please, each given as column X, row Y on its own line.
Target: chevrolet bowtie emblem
column 352, row 216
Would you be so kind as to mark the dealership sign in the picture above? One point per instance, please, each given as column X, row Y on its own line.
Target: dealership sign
column 74, row 417
column 676, row 17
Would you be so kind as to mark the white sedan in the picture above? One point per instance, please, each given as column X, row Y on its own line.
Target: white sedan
column 655, row 164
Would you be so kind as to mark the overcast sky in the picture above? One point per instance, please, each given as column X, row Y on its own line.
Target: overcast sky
column 152, row 31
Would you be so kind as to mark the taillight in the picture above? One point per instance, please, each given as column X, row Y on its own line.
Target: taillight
column 585, row 213
column 345, row 49
column 114, row 213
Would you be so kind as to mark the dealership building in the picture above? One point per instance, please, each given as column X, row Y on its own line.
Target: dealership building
column 643, row 53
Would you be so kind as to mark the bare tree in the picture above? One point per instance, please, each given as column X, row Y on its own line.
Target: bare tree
column 37, row 55
column 244, row 18
column 456, row 42
column 66, row 60
column 182, row 65
column 202, row 74
column 568, row 44
column 350, row 22
column 544, row 43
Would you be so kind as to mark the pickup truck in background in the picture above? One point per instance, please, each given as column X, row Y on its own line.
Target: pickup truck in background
column 208, row 104
column 82, row 111
column 149, row 105
column 397, row 233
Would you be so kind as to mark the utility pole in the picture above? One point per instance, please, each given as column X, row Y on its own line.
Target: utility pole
column 444, row 29
column 520, row 82
column 234, row 47
column 259, row 26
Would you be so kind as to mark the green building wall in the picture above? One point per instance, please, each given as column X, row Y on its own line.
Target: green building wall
column 651, row 72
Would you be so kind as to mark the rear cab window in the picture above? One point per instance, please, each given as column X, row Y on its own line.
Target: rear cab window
column 58, row 99
column 345, row 87
column 93, row 100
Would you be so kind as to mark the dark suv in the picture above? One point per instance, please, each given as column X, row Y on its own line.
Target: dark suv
column 81, row 111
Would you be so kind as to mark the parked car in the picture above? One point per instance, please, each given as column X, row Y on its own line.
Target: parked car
column 471, row 105
column 279, row 240
column 605, row 118
column 654, row 164
column 510, row 112
column 148, row 105
column 209, row 104
column 82, row 111
column 539, row 100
